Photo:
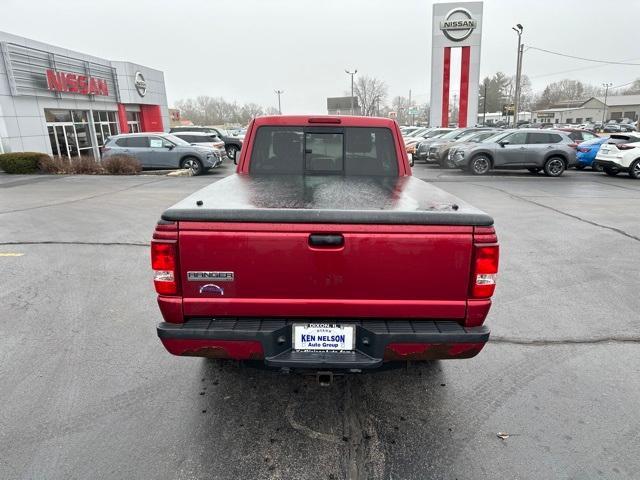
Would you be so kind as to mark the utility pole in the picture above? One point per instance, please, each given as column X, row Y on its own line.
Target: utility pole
column 606, row 91
column 411, row 108
column 352, row 75
column 518, row 29
column 279, row 92
column 484, row 104
column 453, row 108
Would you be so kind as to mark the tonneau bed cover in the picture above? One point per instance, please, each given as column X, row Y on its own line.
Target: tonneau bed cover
column 326, row 199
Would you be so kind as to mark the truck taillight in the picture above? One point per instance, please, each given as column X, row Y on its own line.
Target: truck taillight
column 485, row 270
column 624, row 146
column 164, row 264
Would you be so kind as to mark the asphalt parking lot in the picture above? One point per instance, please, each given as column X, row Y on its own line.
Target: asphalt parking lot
column 87, row 390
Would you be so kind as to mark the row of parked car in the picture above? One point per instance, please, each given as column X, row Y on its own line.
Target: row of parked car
column 197, row 148
column 482, row 149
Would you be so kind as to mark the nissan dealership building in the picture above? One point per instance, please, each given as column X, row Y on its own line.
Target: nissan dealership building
column 67, row 103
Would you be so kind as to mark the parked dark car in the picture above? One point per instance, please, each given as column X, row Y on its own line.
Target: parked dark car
column 578, row 134
column 232, row 144
column 439, row 149
column 612, row 128
column 162, row 150
column 422, row 143
column 535, row 150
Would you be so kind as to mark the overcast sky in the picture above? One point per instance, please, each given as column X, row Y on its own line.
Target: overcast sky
column 244, row 49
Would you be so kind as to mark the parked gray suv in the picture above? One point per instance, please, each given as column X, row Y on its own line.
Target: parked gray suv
column 551, row 151
column 162, row 150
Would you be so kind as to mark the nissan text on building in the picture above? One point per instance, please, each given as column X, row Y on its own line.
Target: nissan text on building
column 67, row 103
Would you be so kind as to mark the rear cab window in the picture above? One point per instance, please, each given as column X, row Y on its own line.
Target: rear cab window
column 324, row 150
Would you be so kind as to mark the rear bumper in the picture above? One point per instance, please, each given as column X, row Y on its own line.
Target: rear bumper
column 270, row 341
column 610, row 164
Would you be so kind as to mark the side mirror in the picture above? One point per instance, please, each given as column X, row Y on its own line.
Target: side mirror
column 171, row 146
column 503, row 143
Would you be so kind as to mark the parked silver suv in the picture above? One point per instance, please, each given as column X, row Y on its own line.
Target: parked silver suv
column 551, row 151
column 162, row 150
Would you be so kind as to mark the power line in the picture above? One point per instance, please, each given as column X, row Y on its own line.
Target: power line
column 529, row 47
column 590, row 67
column 624, row 84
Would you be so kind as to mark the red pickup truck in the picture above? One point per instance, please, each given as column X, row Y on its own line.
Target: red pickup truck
column 323, row 252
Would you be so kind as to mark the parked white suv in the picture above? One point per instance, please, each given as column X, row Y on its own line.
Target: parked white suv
column 619, row 157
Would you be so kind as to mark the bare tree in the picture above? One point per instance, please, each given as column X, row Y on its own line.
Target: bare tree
column 250, row 111
column 400, row 105
column 205, row 110
column 371, row 94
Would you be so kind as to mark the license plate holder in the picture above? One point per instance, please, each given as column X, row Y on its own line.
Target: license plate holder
column 323, row 337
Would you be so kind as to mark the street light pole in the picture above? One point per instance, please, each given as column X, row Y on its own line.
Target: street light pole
column 606, row 91
column 484, row 105
column 279, row 92
column 518, row 29
column 352, row 74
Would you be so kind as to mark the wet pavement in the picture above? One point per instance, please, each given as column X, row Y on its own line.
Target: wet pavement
column 87, row 390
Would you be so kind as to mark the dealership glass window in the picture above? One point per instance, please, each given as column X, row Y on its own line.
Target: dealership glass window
column 133, row 121
column 68, row 132
column 57, row 115
column 630, row 115
column 105, row 124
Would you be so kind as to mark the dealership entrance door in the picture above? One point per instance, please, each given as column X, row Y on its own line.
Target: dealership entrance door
column 69, row 132
column 63, row 140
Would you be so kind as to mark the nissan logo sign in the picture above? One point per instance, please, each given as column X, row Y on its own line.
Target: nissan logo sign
column 458, row 24
column 141, row 84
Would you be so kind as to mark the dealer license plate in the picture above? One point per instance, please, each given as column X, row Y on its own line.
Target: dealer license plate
column 323, row 337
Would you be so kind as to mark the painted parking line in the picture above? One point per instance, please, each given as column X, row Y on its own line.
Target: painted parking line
column 11, row 254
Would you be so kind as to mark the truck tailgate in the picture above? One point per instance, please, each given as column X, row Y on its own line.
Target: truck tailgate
column 322, row 270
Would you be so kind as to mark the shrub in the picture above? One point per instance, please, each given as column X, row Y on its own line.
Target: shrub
column 49, row 164
column 21, row 162
column 85, row 166
column 121, row 165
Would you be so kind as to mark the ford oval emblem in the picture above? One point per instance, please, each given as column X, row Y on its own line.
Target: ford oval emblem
column 212, row 289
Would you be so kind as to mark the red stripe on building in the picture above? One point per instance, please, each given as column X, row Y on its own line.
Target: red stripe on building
column 151, row 118
column 464, row 87
column 122, row 119
column 446, row 77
